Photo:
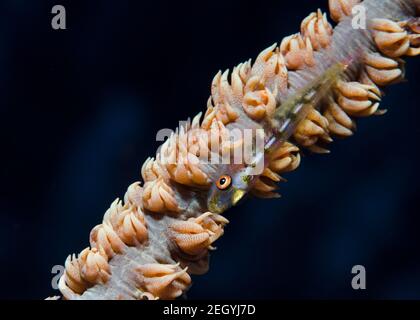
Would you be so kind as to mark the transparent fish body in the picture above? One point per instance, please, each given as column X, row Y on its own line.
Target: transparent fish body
column 282, row 124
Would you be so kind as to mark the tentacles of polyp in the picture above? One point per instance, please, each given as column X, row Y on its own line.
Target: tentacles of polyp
column 149, row 244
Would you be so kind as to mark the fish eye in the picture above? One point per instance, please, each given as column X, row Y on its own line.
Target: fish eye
column 224, row 182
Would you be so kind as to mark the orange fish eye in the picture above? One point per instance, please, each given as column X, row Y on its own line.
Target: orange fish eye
column 224, row 182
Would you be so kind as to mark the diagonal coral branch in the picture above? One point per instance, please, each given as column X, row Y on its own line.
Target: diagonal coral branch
column 149, row 244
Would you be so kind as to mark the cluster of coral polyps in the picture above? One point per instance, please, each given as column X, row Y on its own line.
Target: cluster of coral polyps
column 148, row 246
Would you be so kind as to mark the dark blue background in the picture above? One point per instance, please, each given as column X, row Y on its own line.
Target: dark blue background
column 79, row 112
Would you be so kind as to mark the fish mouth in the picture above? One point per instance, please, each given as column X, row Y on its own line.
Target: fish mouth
column 237, row 196
column 216, row 206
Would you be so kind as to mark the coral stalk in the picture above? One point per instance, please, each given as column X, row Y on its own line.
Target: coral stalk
column 149, row 244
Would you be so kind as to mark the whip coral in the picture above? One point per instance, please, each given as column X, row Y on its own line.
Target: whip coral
column 150, row 243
